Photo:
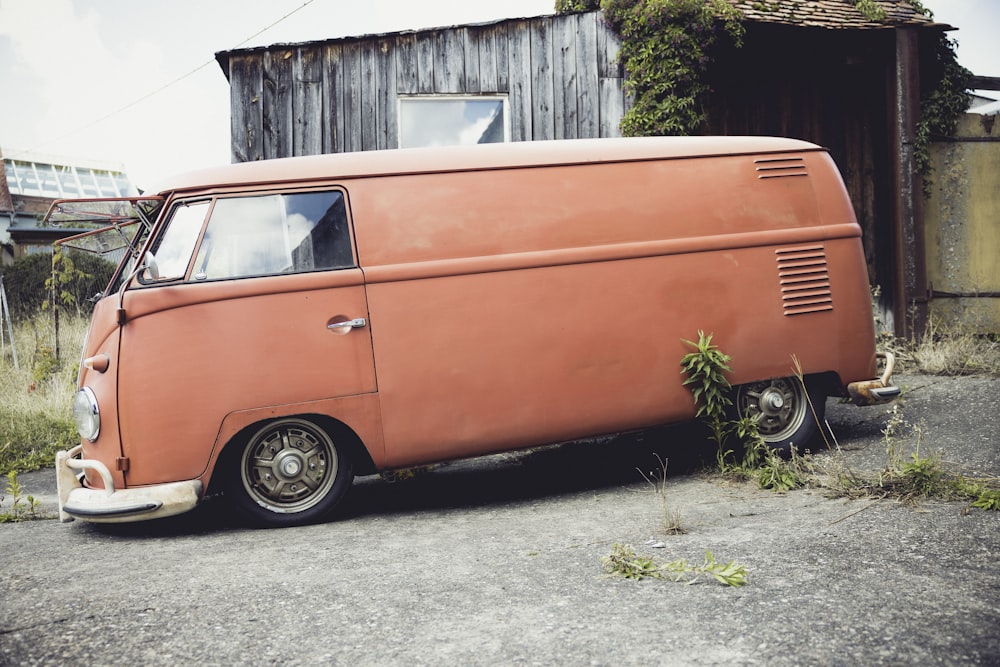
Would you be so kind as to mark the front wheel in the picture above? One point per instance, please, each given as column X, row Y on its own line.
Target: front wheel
column 290, row 472
column 787, row 412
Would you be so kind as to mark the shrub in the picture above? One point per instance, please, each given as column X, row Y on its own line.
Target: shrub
column 27, row 282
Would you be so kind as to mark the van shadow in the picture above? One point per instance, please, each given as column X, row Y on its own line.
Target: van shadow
column 568, row 468
column 543, row 472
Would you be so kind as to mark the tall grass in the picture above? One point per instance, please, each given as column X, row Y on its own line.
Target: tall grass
column 36, row 399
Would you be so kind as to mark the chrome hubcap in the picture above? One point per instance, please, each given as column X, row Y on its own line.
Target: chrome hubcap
column 779, row 406
column 289, row 466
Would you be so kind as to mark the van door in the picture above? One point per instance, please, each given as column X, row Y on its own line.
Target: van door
column 252, row 302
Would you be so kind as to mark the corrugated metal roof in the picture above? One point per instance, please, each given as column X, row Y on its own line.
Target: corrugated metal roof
column 829, row 13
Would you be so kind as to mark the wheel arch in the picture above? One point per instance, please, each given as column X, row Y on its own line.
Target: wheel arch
column 341, row 433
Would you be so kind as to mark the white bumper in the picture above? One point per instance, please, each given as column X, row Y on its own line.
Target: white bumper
column 108, row 505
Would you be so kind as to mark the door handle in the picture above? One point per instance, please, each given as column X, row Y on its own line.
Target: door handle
column 356, row 323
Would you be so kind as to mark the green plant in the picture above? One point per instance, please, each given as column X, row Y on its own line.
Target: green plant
column 24, row 282
column 944, row 86
column 36, row 417
column 777, row 474
column 728, row 574
column 871, row 9
column 565, row 6
column 762, row 464
column 22, row 508
column 910, row 478
column 705, row 369
column 29, row 281
column 923, row 474
column 624, row 562
column 46, row 365
column 665, row 52
column 985, row 498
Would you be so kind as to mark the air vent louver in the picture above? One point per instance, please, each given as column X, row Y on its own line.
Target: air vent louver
column 780, row 167
column 804, row 279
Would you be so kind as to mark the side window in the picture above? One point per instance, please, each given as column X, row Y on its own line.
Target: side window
column 173, row 251
column 281, row 233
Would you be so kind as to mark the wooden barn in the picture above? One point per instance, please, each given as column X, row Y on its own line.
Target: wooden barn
column 820, row 71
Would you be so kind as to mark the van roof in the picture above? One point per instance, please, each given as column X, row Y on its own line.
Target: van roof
column 471, row 158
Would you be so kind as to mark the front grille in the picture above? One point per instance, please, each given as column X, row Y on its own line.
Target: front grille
column 804, row 279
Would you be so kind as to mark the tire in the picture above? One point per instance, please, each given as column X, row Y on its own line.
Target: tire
column 783, row 412
column 289, row 473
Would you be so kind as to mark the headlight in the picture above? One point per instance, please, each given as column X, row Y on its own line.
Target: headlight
column 86, row 414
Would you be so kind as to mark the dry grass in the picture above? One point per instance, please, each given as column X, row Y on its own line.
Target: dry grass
column 957, row 354
column 36, row 399
column 944, row 350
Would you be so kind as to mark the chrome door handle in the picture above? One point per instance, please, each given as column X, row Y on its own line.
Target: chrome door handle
column 356, row 323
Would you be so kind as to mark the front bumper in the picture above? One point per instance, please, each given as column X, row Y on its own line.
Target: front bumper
column 880, row 390
column 109, row 505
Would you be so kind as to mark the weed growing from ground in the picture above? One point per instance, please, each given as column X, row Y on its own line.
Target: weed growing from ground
column 670, row 518
column 905, row 478
column 624, row 562
column 917, row 476
column 983, row 497
column 762, row 464
column 23, row 508
column 705, row 369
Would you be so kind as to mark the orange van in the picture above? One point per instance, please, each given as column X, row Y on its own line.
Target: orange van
column 276, row 328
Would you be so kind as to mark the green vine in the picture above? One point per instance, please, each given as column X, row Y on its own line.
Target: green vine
column 871, row 9
column 565, row 6
column 943, row 105
column 665, row 52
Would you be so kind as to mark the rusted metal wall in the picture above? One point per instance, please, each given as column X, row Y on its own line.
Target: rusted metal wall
column 559, row 73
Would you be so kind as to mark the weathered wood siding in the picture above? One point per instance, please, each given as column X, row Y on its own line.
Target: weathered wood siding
column 559, row 73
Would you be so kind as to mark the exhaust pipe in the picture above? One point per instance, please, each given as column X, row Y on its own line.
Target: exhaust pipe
column 875, row 392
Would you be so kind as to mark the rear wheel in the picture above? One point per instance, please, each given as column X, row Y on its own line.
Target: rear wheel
column 289, row 473
column 782, row 409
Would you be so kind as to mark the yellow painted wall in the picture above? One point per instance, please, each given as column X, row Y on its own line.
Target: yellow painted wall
column 962, row 225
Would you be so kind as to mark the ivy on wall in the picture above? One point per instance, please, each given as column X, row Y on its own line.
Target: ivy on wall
column 944, row 99
column 665, row 53
column 871, row 10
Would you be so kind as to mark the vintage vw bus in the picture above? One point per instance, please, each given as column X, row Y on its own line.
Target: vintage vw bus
column 277, row 327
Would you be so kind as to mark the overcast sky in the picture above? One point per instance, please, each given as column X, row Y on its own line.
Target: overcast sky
column 135, row 83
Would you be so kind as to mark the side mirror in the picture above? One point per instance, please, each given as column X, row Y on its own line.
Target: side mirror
column 150, row 267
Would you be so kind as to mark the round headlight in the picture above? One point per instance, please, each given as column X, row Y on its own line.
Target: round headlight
column 86, row 414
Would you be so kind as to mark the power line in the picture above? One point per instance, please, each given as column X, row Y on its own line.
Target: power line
column 157, row 91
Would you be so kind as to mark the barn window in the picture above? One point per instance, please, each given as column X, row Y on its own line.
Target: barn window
column 451, row 120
